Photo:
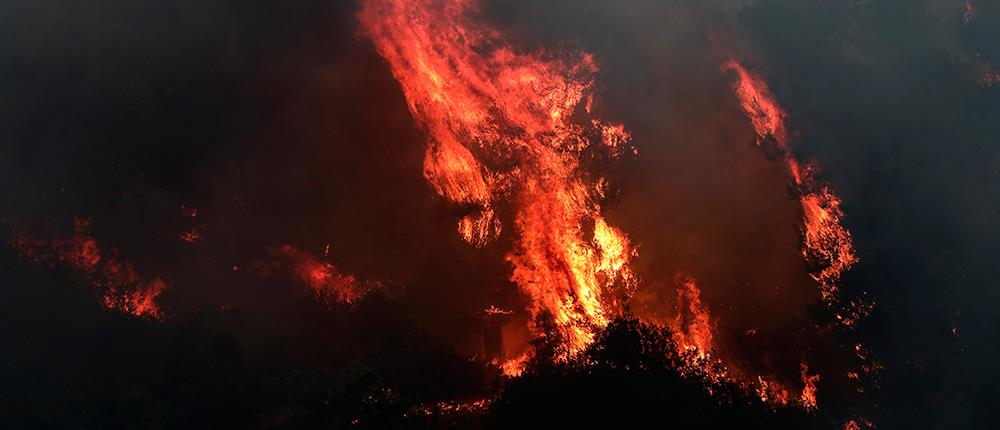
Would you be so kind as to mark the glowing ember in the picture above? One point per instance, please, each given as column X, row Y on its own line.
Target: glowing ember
column 501, row 130
column 120, row 287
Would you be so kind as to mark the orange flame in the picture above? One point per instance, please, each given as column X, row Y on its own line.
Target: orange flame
column 692, row 327
column 500, row 127
column 808, row 397
column 827, row 244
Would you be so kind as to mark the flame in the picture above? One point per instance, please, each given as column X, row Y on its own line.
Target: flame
column 692, row 327
column 808, row 397
column 500, row 130
column 507, row 133
column 990, row 78
column 827, row 244
column 858, row 424
column 326, row 281
column 190, row 236
column 970, row 11
column 120, row 286
column 516, row 366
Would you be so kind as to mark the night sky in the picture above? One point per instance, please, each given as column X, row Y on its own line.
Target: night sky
column 280, row 124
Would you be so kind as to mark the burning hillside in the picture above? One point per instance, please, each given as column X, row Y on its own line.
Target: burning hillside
column 466, row 213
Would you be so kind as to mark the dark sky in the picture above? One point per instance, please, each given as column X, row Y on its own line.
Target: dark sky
column 282, row 125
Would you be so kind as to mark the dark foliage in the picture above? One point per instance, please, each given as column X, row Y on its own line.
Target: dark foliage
column 629, row 379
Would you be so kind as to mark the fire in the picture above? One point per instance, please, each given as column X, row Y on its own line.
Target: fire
column 808, row 397
column 507, row 134
column 516, row 366
column 827, row 244
column 970, row 11
column 692, row 327
column 990, row 78
column 858, row 424
column 120, row 286
column 326, row 281
column 502, row 129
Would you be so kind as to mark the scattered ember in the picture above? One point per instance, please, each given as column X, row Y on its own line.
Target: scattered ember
column 453, row 408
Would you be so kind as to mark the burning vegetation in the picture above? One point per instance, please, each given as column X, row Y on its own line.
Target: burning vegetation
column 519, row 154
column 511, row 140
column 114, row 280
column 508, row 132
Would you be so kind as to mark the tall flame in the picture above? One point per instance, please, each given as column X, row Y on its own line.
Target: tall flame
column 501, row 129
column 692, row 326
column 827, row 244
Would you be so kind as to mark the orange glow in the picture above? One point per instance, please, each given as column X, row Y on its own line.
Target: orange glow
column 501, row 129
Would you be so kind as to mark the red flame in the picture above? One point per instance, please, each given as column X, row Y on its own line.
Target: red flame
column 115, row 280
column 326, row 281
